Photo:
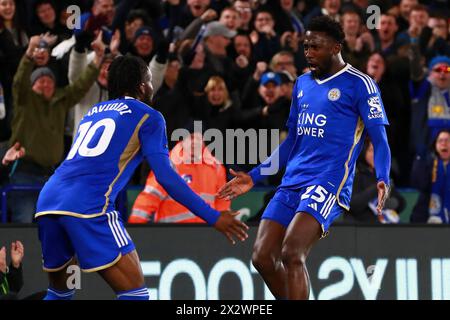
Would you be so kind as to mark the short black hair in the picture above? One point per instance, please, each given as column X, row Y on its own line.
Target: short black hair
column 125, row 75
column 329, row 26
column 138, row 14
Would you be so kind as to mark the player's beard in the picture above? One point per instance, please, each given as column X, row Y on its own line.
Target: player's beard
column 322, row 69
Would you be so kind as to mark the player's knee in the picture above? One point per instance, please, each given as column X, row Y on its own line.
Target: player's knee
column 263, row 260
column 293, row 257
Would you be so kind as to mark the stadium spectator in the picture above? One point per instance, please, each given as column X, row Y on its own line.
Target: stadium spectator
column 283, row 61
column 11, row 278
column 216, row 39
column 358, row 43
column 364, row 198
column 244, row 8
column 144, row 43
column 244, row 62
column 264, row 38
column 418, row 20
column 216, row 108
column 386, row 33
column 42, row 58
column 78, row 61
column 404, row 10
column 326, row 8
column 429, row 176
column 13, row 42
column 398, row 114
column 192, row 10
column 202, row 172
column 430, row 100
column 45, row 19
column 433, row 40
column 38, row 123
column 286, row 17
column 229, row 17
column 135, row 20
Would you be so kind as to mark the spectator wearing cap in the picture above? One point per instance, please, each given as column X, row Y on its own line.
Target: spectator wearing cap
column 287, row 84
column 38, row 124
column 144, row 43
column 430, row 106
column 262, row 91
column 274, row 89
column 216, row 39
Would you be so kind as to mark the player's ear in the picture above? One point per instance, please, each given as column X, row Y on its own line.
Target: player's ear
column 142, row 88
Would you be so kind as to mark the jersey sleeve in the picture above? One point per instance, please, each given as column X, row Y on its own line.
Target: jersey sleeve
column 369, row 103
column 153, row 135
column 293, row 113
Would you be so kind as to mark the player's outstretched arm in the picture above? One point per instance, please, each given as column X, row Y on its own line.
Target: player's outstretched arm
column 177, row 188
column 382, row 159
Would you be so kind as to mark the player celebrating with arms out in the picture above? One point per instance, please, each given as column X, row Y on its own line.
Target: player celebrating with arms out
column 75, row 209
column 333, row 107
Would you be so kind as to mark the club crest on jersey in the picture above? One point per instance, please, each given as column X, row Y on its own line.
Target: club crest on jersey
column 375, row 107
column 334, row 94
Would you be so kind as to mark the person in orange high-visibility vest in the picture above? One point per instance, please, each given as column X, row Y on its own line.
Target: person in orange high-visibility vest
column 201, row 171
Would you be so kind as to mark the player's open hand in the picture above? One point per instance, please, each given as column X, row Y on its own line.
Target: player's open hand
column 383, row 194
column 240, row 184
column 231, row 227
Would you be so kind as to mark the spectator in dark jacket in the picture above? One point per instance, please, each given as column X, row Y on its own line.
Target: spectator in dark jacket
column 45, row 19
column 38, row 123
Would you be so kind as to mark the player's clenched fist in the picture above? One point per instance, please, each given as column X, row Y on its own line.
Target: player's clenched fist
column 231, row 227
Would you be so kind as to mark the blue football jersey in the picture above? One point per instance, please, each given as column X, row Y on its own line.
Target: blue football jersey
column 330, row 117
column 112, row 139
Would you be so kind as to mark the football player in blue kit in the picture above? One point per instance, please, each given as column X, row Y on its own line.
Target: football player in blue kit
column 75, row 210
column 333, row 107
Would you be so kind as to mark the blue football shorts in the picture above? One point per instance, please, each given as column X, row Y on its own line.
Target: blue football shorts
column 314, row 200
column 98, row 242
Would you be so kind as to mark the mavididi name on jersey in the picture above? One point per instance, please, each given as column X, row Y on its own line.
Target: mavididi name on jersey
column 121, row 107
